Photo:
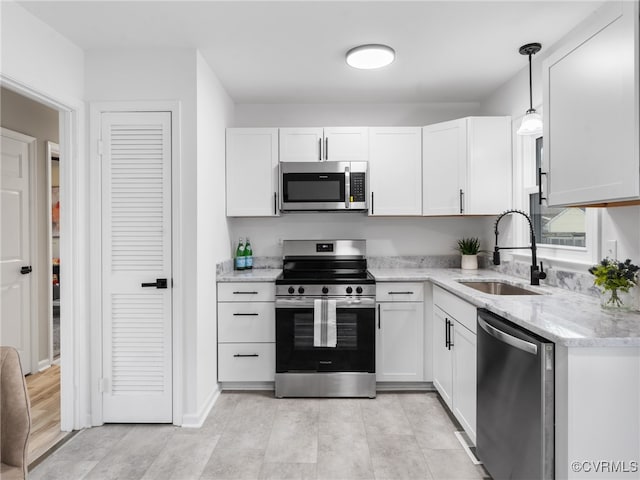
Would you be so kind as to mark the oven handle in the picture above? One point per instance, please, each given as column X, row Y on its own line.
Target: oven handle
column 307, row 302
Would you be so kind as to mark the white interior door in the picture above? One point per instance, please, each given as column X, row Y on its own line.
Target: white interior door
column 15, row 247
column 136, row 250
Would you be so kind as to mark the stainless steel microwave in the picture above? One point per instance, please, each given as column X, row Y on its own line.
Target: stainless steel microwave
column 323, row 186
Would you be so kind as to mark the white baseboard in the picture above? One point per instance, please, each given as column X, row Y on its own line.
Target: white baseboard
column 196, row 420
column 43, row 364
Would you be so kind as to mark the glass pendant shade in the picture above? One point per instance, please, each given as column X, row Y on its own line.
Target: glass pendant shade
column 531, row 124
column 368, row 57
column 532, row 121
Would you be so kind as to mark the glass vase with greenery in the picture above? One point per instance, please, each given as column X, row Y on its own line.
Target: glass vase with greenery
column 614, row 278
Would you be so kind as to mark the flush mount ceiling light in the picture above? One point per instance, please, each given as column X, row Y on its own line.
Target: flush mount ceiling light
column 532, row 121
column 371, row 56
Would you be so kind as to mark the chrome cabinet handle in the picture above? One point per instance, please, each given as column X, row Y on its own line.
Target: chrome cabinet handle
column 245, row 293
column 246, row 314
column 378, row 316
column 461, row 201
column 275, row 203
column 326, row 148
column 240, row 355
column 400, row 293
column 320, row 149
column 372, row 211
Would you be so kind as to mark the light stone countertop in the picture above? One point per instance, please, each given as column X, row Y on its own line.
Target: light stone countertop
column 253, row 275
column 562, row 316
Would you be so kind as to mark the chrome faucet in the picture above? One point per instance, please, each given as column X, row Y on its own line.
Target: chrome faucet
column 536, row 274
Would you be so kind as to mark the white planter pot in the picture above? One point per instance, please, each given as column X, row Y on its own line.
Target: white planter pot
column 469, row 262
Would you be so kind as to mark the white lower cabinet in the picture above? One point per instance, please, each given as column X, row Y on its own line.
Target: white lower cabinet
column 454, row 356
column 246, row 362
column 400, row 332
column 464, row 378
column 246, row 332
column 442, row 356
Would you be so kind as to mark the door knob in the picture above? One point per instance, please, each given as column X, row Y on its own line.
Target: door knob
column 159, row 283
column 26, row 269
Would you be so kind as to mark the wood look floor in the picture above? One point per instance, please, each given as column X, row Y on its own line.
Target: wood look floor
column 44, row 394
column 251, row 435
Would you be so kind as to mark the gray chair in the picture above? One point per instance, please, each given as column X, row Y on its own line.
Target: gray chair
column 15, row 413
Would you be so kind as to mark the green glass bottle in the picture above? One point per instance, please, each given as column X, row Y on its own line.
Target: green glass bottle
column 248, row 255
column 240, row 262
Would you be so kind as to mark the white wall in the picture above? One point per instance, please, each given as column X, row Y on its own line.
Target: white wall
column 23, row 115
column 42, row 64
column 214, row 113
column 350, row 114
column 385, row 236
column 168, row 74
column 38, row 57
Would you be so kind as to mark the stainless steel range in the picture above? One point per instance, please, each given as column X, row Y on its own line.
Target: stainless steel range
column 325, row 321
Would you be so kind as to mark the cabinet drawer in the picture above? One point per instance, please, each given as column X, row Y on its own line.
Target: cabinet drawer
column 246, row 322
column 246, row 362
column 399, row 292
column 459, row 309
column 246, row 292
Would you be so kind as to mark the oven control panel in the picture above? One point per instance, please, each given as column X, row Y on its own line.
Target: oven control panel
column 326, row 290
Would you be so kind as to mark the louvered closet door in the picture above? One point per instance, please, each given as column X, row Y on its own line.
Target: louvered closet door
column 136, row 249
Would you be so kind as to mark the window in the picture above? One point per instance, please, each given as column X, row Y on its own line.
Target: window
column 555, row 226
column 567, row 237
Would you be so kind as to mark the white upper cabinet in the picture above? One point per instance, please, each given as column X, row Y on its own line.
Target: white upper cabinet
column 337, row 144
column 591, row 98
column 252, row 172
column 395, row 170
column 466, row 166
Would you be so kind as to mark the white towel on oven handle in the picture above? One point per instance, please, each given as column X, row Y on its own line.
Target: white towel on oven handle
column 325, row 332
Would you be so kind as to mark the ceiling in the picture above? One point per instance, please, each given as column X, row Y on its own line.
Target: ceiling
column 293, row 51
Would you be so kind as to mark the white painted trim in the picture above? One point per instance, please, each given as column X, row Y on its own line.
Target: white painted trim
column 96, row 109
column 197, row 420
column 44, row 365
column 33, row 244
column 73, row 406
column 52, row 149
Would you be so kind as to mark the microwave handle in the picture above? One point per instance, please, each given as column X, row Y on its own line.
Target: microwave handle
column 347, row 188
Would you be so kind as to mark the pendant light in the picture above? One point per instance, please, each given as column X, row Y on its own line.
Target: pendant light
column 532, row 121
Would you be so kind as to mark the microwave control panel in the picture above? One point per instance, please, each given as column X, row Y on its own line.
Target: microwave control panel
column 358, row 193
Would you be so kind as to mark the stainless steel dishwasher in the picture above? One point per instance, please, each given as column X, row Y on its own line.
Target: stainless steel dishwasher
column 515, row 395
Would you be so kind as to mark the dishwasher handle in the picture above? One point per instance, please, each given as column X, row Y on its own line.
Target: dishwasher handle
column 508, row 339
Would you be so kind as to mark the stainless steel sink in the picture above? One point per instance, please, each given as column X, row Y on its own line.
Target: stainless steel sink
column 498, row 288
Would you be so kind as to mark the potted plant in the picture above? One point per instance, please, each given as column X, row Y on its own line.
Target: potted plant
column 469, row 248
column 615, row 280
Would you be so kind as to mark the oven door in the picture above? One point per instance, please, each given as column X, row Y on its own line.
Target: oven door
column 355, row 349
